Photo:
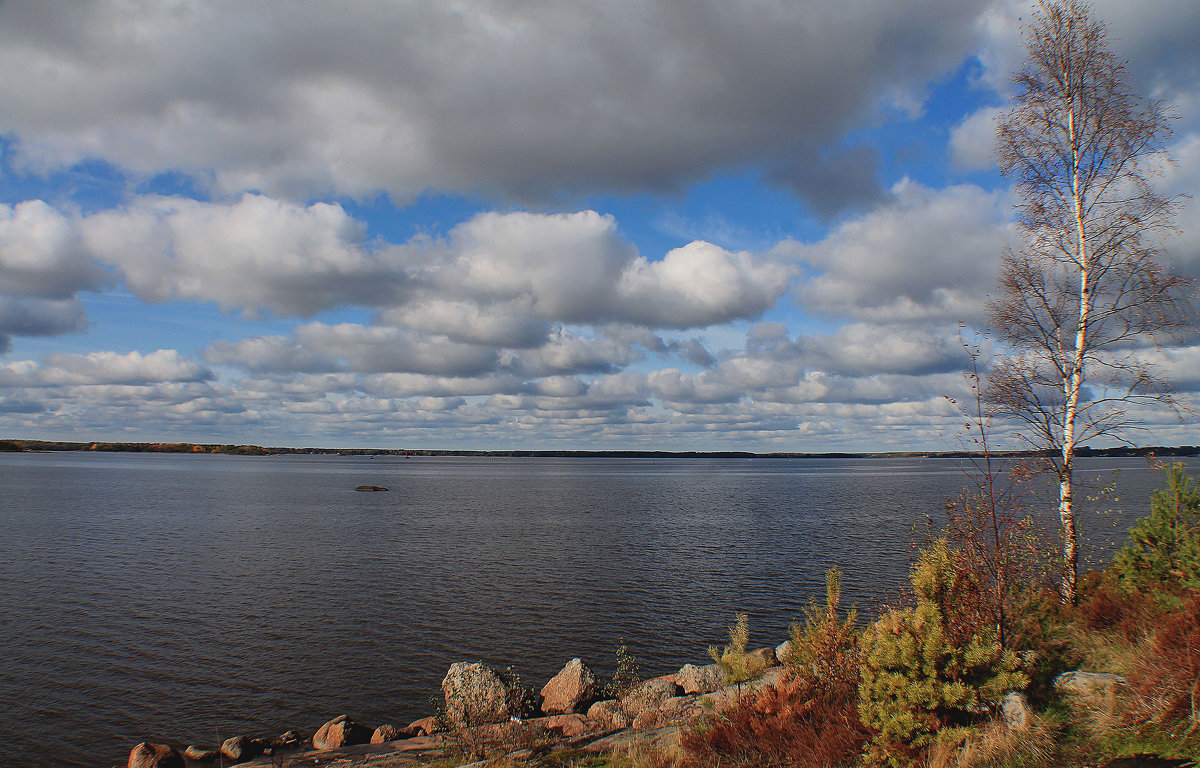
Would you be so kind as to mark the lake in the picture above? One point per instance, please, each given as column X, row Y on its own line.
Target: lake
column 189, row 598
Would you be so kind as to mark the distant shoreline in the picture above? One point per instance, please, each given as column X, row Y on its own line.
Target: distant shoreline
column 9, row 445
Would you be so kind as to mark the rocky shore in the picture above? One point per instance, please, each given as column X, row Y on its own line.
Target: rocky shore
column 484, row 712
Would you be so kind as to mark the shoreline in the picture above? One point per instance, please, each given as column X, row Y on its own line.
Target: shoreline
column 13, row 445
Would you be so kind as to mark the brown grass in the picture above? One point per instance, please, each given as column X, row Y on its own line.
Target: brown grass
column 996, row 744
column 796, row 722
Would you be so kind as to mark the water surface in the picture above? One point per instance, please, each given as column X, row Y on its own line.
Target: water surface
column 181, row 597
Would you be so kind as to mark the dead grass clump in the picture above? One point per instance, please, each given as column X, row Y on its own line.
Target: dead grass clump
column 1165, row 679
column 796, row 722
column 995, row 744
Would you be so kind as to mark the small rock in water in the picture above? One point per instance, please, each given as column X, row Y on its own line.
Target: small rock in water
column 339, row 732
column 288, row 739
column 426, row 726
column 146, row 755
column 387, row 733
column 200, row 754
column 370, row 488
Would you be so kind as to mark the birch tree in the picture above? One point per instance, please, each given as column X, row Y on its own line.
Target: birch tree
column 1084, row 293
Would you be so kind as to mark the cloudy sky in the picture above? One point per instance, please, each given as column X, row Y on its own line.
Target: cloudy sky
column 681, row 225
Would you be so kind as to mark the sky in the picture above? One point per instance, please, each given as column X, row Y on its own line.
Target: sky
column 767, row 225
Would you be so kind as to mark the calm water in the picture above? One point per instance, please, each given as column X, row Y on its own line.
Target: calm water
column 182, row 597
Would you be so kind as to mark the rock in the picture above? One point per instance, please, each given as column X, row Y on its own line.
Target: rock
column 1016, row 711
column 562, row 726
column 370, row 488
column 608, row 714
column 389, row 733
column 764, row 657
column 662, row 741
column 339, row 732
column 239, row 749
column 682, row 707
column 649, row 718
column 475, row 694
column 725, row 698
column 147, row 755
column 200, row 754
column 693, row 679
column 648, row 695
column 573, row 686
column 783, row 650
column 288, row 740
column 1089, row 685
column 426, row 726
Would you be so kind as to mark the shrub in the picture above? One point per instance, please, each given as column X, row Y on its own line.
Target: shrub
column 627, row 675
column 737, row 666
column 1162, row 555
column 1040, row 631
column 930, row 669
column 810, row 717
column 825, row 647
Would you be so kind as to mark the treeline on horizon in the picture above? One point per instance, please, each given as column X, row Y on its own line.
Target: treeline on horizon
column 258, row 450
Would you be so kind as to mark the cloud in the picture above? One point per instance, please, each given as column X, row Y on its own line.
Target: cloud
column 21, row 316
column 928, row 255
column 973, row 141
column 254, row 253
column 43, row 265
column 41, row 255
column 134, row 368
column 500, row 97
column 863, row 349
column 833, row 181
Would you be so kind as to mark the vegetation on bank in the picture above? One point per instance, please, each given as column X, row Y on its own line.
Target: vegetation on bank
column 925, row 684
column 964, row 675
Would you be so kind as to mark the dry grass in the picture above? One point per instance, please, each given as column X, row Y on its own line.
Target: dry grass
column 995, row 744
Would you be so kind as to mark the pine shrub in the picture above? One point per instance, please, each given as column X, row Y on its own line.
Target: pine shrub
column 931, row 669
column 735, row 663
column 1162, row 555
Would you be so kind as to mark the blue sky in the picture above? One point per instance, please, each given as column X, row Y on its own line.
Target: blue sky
column 670, row 225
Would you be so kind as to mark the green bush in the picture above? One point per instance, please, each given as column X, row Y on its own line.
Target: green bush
column 929, row 670
column 733, row 659
column 825, row 646
column 1162, row 555
column 626, row 676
